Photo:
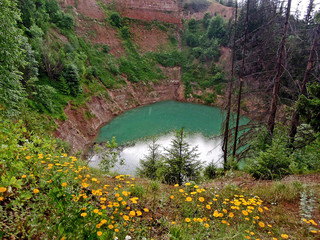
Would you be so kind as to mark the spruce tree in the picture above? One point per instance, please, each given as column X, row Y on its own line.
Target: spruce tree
column 181, row 161
column 151, row 162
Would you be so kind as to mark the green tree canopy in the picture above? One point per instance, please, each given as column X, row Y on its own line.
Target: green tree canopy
column 309, row 108
column 11, row 56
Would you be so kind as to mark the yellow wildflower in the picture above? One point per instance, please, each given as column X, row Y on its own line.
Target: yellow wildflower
column 36, row 191
column 95, row 210
column 244, row 212
column 110, row 226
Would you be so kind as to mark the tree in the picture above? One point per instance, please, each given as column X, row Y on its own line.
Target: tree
column 115, row 20
column 308, row 108
column 226, row 132
column 241, row 81
column 295, row 116
column 71, row 76
column 181, row 161
column 109, row 155
column 11, row 57
column 151, row 162
column 308, row 16
column 279, row 71
column 217, row 29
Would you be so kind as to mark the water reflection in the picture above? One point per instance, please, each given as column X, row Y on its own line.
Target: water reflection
column 209, row 150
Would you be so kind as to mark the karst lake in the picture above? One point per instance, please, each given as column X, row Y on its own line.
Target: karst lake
column 135, row 129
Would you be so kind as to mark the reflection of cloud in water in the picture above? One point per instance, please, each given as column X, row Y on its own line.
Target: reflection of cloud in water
column 209, row 150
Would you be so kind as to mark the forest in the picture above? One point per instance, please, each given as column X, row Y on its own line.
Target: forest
column 256, row 58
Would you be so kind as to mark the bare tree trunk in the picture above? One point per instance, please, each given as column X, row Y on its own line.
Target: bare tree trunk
column 303, row 91
column 241, row 81
column 310, row 9
column 226, row 131
column 281, row 53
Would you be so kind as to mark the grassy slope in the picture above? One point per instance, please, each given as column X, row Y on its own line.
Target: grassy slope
column 49, row 195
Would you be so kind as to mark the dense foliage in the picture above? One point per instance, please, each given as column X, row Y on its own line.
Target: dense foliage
column 179, row 163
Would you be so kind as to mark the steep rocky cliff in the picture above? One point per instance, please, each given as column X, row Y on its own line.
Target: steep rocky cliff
column 84, row 122
column 79, row 130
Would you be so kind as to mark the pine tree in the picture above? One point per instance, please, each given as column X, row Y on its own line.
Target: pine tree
column 151, row 162
column 72, row 78
column 181, row 161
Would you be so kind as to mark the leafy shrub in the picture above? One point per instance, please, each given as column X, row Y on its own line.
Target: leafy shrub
column 115, row 20
column 192, row 25
column 308, row 108
column 197, row 52
column 217, row 29
column 66, row 21
column 210, row 171
column 109, row 155
column 192, row 40
column 35, row 31
column 125, row 33
column 206, row 19
column 105, row 48
column 271, row 163
column 169, row 59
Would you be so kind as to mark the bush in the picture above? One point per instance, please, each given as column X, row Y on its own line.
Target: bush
column 66, row 22
column 210, row 171
column 217, row 29
column 109, row 155
column 169, row 59
column 192, row 40
column 192, row 25
column 115, row 20
column 105, row 48
column 272, row 163
column 125, row 33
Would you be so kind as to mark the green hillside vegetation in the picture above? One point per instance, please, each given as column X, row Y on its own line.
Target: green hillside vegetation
column 46, row 193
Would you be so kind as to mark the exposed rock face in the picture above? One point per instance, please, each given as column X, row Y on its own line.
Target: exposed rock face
column 167, row 11
column 79, row 130
column 83, row 123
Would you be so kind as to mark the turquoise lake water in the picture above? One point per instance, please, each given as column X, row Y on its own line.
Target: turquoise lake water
column 137, row 126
